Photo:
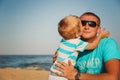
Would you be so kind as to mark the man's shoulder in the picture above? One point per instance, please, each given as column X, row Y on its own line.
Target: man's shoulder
column 110, row 49
column 108, row 40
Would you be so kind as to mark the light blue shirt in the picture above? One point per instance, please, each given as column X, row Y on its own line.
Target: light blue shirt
column 92, row 61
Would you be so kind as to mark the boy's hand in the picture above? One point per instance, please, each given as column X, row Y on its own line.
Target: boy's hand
column 104, row 33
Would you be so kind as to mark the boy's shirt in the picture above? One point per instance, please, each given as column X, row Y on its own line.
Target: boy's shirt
column 69, row 49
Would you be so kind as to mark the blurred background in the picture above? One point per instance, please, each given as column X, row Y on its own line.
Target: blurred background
column 30, row 26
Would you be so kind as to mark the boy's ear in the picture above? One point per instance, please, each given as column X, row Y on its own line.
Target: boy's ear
column 77, row 34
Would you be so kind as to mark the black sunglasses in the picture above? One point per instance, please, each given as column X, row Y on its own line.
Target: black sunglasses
column 90, row 23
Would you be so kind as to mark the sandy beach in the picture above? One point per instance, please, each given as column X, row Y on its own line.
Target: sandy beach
column 23, row 74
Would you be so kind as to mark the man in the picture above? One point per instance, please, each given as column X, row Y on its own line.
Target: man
column 101, row 63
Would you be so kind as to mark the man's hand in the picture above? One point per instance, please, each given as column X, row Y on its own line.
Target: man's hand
column 68, row 70
column 55, row 56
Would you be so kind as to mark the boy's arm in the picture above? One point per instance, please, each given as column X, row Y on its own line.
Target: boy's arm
column 94, row 44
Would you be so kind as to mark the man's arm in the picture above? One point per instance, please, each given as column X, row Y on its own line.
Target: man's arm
column 112, row 72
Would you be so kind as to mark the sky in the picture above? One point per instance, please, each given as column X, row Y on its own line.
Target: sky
column 30, row 26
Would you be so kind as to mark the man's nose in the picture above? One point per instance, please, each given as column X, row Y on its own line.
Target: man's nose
column 86, row 26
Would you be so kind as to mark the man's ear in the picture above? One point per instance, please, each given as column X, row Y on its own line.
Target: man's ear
column 98, row 31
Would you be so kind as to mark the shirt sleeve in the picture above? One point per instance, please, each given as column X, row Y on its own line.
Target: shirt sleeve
column 82, row 45
column 110, row 50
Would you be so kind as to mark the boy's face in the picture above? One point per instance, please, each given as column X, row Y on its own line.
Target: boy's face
column 88, row 31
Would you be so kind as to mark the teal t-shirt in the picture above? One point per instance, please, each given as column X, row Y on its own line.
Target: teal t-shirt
column 91, row 61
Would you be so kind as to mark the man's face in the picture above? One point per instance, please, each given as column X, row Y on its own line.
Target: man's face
column 89, row 28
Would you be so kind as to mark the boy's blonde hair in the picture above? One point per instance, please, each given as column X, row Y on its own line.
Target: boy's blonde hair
column 69, row 27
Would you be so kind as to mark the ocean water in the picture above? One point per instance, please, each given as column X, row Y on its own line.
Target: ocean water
column 26, row 61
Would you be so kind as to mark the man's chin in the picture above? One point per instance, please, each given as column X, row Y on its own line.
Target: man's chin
column 84, row 38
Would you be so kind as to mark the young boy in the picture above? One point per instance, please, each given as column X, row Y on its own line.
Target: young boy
column 70, row 28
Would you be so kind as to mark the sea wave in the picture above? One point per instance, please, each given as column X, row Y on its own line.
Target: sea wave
column 37, row 62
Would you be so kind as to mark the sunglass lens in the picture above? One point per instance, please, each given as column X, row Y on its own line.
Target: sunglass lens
column 83, row 23
column 92, row 24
